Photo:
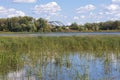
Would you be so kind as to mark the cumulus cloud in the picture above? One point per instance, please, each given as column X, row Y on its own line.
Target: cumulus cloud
column 116, row 1
column 11, row 12
column 113, row 7
column 2, row 9
column 24, row 1
column 76, row 18
column 51, row 8
column 86, row 8
column 69, row 23
column 103, row 12
column 106, row 12
column 112, row 10
column 82, row 16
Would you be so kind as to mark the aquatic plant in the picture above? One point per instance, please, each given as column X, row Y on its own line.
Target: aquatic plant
column 40, row 52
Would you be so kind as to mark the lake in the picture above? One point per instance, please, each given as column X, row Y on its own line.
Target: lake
column 62, row 34
column 77, row 66
column 59, row 57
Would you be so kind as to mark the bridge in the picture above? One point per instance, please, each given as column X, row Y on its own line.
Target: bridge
column 56, row 23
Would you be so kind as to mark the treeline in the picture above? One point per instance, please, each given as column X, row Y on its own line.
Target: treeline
column 108, row 25
column 24, row 24
column 30, row 24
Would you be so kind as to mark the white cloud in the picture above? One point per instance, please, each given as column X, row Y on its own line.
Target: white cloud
column 2, row 9
column 79, row 17
column 118, row 15
column 51, row 8
column 110, row 12
column 24, row 1
column 69, row 23
column 11, row 12
column 113, row 7
column 76, row 18
column 86, row 8
column 102, row 13
column 16, row 13
column 82, row 16
column 116, row 1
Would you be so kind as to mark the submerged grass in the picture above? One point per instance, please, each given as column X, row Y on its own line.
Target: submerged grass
column 11, row 48
column 35, row 49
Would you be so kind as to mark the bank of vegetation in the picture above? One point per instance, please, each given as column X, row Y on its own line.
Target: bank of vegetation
column 32, row 49
column 30, row 24
column 70, row 43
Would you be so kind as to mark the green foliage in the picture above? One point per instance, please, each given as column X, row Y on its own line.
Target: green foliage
column 74, row 26
column 42, row 25
column 108, row 25
column 30, row 24
column 25, row 24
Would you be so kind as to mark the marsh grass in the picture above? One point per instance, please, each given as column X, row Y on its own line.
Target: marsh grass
column 36, row 51
column 35, row 47
column 60, row 44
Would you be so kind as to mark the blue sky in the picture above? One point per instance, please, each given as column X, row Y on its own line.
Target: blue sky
column 66, row 11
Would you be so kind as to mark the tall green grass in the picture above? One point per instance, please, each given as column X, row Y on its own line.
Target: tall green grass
column 11, row 48
column 72, row 43
column 34, row 49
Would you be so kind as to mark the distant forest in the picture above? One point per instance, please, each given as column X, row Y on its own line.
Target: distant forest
column 30, row 24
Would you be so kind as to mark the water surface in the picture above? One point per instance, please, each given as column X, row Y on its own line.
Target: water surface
column 75, row 66
column 61, row 34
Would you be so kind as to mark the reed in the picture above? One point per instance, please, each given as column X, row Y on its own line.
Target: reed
column 73, row 43
column 39, row 51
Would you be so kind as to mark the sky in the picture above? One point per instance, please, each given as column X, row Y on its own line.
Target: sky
column 66, row 11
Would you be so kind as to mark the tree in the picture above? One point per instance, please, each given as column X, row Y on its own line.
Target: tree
column 32, row 27
column 116, row 24
column 81, row 28
column 74, row 26
column 88, row 26
column 42, row 25
column 95, row 26
column 3, row 25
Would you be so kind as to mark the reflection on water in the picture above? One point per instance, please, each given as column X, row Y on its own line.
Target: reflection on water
column 85, row 66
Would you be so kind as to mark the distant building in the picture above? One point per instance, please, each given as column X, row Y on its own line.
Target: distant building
column 56, row 23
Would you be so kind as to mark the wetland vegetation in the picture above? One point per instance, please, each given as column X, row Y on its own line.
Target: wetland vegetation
column 63, row 57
